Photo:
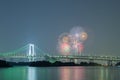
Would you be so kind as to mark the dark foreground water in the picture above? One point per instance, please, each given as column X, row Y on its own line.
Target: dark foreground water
column 60, row 73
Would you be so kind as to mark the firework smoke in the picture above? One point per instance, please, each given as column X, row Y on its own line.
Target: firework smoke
column 71, row 43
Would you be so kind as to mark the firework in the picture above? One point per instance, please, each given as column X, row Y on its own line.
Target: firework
column 76, row 30
column 72, row 42
column 65, row 48
column 83, row 36
column 64, row 38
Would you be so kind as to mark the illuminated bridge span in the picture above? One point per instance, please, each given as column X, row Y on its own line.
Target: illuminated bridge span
column 26, row 53
column 104, row 58
column 31, row 53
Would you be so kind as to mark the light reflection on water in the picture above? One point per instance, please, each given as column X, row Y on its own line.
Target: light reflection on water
column 68, row 73
column 103, row 74
column 60, row 73
column 31, row 73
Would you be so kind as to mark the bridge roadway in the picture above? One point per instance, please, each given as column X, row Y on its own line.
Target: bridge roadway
column 103, row 58
column 60, row 57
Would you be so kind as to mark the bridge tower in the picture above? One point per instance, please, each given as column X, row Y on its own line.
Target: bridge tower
column 31, row 50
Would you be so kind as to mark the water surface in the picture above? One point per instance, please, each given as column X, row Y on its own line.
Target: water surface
column 60, row 73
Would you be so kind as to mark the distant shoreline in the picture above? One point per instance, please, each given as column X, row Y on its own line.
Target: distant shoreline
column 48, row 64
column 45, row 64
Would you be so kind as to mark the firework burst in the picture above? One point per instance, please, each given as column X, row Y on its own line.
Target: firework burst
column 72, row 42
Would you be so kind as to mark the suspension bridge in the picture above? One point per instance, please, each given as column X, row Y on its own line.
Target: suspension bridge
column 31, row 53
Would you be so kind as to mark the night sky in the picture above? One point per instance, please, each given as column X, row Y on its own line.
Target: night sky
column 41, row 22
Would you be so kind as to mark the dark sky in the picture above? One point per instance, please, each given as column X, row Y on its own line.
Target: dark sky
column 42, row 21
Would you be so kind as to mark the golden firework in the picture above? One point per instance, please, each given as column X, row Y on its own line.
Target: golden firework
column 65, row 39
column 83, row 36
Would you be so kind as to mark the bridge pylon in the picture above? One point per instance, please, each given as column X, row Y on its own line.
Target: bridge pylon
column 31, row 50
